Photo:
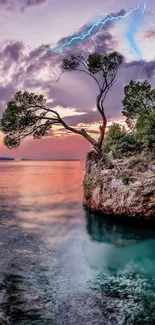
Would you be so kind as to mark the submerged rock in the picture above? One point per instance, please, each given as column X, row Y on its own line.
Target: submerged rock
column 125, row 188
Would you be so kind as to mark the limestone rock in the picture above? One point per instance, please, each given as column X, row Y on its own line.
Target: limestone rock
column 127, row 188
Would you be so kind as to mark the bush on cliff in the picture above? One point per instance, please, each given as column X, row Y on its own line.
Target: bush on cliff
column 145, row 130
column 120, row 142
column 139, row 110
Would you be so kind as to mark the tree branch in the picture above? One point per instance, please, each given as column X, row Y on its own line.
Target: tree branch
column 31, row 132
column 62, row 122
column 80, row 132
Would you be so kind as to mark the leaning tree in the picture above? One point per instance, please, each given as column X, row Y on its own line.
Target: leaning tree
column 27, row 113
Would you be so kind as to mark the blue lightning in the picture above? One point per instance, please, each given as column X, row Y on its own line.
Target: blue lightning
column 100, row 21
column 100, row 28
column 94, row 26
column 132, row 32
column 130, row 35
column 97, row 19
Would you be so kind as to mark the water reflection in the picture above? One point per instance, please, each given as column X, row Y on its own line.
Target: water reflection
column 119, row 248
column 43, row 192
column 104, row 229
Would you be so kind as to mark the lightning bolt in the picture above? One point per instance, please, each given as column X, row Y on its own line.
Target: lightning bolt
column 132, row 32
column 132, row 41
column 100, row 21
column 100, row 28
column 92, row 28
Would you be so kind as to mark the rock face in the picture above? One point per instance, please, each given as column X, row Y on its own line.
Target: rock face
column 126, row 189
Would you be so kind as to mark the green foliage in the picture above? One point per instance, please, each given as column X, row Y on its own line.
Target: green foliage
column 115, row 131
column 88, row 185
column 145, row 129
column 95, row 62
column 105, row 65
column 120, row 143
column 128, row 144
column 70, row 64
column 139, row 109
column 22, row 117
column 139, row 99
column 125, row 179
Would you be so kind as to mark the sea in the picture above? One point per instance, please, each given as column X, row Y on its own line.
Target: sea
column 63, row 265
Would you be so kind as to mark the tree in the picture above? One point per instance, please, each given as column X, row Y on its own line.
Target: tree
column 103, row 69
column 139, row 109
column 139, row 99
column 145, row 129
column 121, row 142
column 27, row 114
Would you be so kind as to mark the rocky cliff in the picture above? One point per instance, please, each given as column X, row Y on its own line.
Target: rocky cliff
column 124, row 188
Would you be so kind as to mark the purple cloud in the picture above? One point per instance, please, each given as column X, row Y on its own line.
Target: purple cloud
column 13, row 5
column 149, row 34
column 35, row 2
column 147, row 68
column 13, row 51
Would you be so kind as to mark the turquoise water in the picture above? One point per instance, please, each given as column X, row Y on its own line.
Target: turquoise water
column 61, row 265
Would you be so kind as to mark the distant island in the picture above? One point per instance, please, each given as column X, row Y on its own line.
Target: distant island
column 26, row 159
column 6, row 158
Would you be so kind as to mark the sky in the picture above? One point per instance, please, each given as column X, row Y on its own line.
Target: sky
column 35, row 37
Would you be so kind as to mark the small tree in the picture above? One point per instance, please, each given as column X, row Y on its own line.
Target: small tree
column 139, row 109
column 120, row 142
column 145, row 129
column 27, row 114
column 139, row 99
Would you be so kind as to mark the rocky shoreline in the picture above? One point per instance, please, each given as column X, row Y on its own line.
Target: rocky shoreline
column 126, row 189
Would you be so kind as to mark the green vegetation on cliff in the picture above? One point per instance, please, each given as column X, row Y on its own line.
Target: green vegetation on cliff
column 139, row 110
column 120, row 142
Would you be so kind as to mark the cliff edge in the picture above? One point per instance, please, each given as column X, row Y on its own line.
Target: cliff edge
column 125, row 188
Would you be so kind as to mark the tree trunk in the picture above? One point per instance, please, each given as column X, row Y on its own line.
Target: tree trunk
column 99, row 104
column 90, row 139
column 102, row 132
column 81, row 132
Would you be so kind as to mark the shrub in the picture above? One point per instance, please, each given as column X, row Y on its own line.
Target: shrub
column 89, row 184
column 125, row 179
column 145, row 129
column 120, row 142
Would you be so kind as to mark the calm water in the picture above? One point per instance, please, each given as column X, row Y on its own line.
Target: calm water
column 62, row 266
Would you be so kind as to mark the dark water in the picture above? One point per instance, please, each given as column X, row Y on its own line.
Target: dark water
column 62, row 266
